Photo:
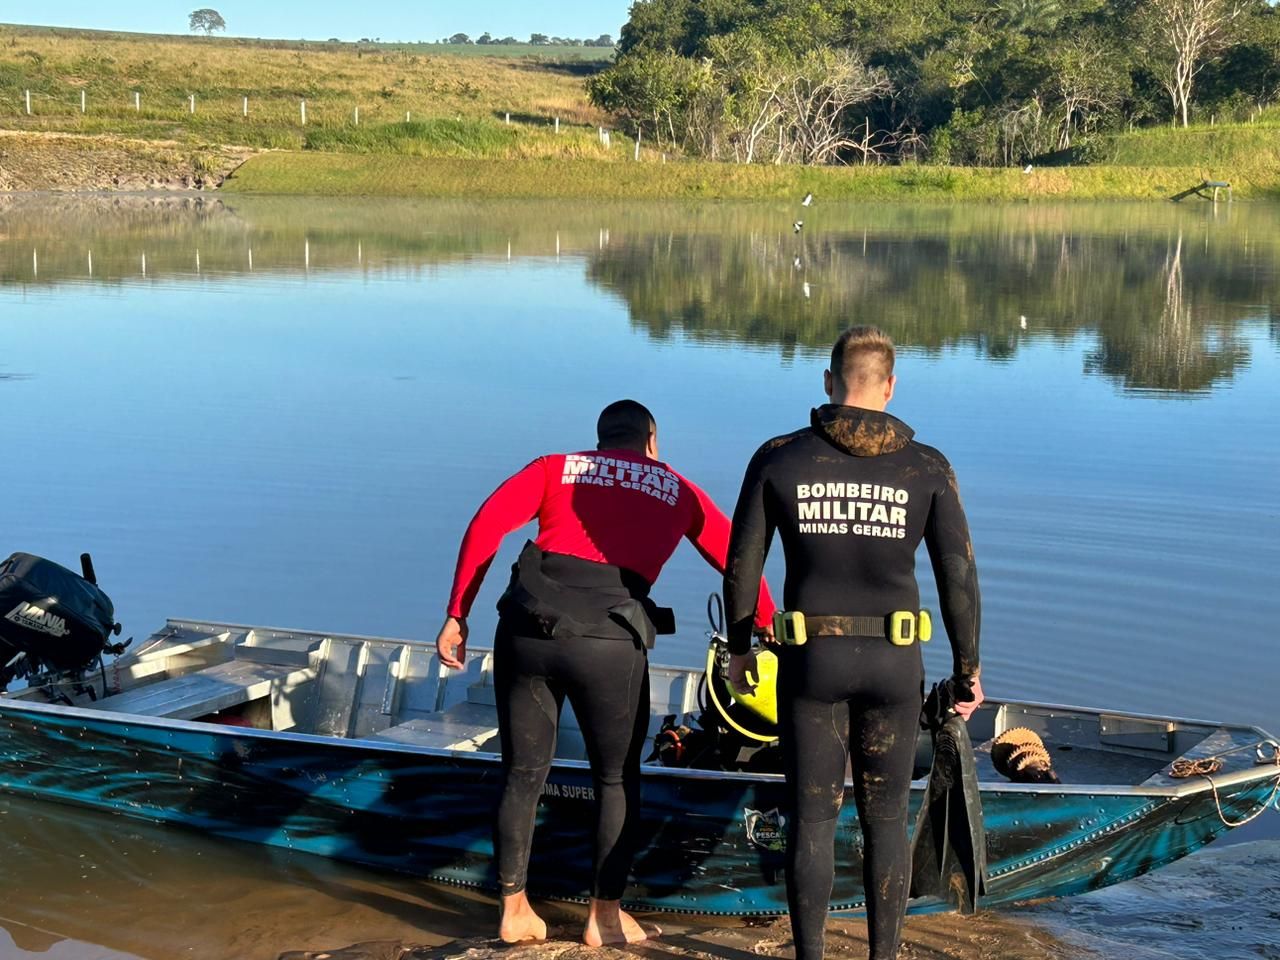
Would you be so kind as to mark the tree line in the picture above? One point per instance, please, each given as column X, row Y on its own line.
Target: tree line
column 535, row 40
column 981, row 82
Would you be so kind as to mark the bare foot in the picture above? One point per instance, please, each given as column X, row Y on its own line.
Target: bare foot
column 606, row 923
column 519, row 921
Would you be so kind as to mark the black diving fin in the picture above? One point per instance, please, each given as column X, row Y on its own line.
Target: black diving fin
column 949, row 847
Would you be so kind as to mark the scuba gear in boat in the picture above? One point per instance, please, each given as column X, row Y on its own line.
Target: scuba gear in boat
column 902, row 627
column 54, row 624
column 565, row 596
column 677, row 744
column 949, row 846
column 731, row 731
column 754, row 715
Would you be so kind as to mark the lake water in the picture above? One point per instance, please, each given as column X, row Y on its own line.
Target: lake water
column 285, row 412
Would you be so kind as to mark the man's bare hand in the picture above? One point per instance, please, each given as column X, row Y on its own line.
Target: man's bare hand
column 451, row 642
column 765, row 635
column 742, row 672
column 966, row 707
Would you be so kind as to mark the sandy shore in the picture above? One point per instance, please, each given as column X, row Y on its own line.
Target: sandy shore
column 1221, row 904
column 947, row 937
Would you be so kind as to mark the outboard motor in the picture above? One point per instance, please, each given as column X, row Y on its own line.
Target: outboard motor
column 54, row 624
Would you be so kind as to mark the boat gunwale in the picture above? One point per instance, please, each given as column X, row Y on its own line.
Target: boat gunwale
column 1200, row 785
column 474, row 649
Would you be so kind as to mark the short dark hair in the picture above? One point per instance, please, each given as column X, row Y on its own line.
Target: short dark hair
column 862, row 355
column 624, row 423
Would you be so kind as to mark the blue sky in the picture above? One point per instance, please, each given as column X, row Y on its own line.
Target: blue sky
column 321, row 19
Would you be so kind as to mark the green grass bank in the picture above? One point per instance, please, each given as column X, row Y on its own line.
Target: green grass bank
column 347, row 174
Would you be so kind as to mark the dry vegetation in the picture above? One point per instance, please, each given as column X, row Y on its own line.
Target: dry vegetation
column 385, row 84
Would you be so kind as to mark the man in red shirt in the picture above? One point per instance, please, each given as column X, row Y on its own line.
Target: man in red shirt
column 576, row 622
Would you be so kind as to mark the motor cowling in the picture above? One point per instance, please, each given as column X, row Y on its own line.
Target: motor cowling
column 54, row 619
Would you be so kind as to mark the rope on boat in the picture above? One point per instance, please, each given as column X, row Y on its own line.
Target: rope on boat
column 1182, row 769
column 1265, row 752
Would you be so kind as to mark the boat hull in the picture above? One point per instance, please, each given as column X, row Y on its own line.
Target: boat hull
column 711, row 843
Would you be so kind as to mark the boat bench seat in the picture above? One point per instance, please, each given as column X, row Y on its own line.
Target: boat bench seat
column 208, row 691
column 465, row 726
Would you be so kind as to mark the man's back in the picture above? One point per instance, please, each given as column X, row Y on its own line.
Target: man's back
column 851, row 497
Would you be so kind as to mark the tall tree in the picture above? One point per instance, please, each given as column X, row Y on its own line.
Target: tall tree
column 1184, row 36
column 206, row 19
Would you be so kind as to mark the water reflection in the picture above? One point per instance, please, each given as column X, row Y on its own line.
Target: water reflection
column 1164, row 290
column 1174, row 351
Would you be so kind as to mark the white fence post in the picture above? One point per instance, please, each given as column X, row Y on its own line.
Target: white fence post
column 357, row 116
column 245, row 110
column 193, row 103
column 84, row 101
column 557, row 124
column 508, row 119
column 639, row 134
column 28, row 92
column 303, row 105
column 137, row 100
column 407, row 115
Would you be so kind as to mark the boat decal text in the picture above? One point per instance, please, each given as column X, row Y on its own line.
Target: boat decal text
column 767, row 830
column 569, row 791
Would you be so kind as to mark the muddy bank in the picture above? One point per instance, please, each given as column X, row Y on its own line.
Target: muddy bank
column 985, row 937
column 1222, row 904
column 46, row 161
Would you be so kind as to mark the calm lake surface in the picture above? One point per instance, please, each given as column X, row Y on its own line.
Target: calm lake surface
column 285, row 412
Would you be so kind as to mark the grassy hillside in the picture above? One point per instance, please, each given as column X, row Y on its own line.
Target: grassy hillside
column 541, row 51
column 384, row 83
column 1225, row 145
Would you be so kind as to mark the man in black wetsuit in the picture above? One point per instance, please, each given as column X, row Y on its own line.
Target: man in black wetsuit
column 852, row 495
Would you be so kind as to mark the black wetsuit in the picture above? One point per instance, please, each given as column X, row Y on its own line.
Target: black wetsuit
column 603, row 670
column 852, row 496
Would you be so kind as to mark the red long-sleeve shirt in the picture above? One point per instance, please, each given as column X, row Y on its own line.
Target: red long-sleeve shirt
column 608, row 506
